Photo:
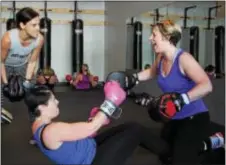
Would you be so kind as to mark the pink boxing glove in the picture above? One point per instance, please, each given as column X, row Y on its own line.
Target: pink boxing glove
column 93, row 113
column 114, row 97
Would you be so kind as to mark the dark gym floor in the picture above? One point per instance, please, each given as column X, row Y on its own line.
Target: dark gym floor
column 74, row 106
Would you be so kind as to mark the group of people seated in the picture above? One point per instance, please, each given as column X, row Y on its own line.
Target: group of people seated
column 81, row 80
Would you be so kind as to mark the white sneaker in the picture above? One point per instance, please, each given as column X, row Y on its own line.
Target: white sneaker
column 6, row 117
column 217, row 140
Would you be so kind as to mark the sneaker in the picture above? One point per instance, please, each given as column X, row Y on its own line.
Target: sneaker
column 6, row 117
column 32, row 141
column 217, row 140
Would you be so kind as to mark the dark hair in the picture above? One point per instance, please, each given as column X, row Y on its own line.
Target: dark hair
column 25, row 15
column 86, row 65
column 37, row 96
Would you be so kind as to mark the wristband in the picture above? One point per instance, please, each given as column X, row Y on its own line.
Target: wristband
column 110, row 109
column 27, row 80
column 135, row 75
column 185, row 98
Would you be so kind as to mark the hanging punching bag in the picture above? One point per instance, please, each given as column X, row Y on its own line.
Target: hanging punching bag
column 137, row 46
column 11, row 22
column 219, row 49
column 77, row 47
column 77, row 42
column 194, row 42
column 45, row 54
column 129, row 44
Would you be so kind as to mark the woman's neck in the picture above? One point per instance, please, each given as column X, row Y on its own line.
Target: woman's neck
column 23, row 36
column 85, row 73
column 43, row 120
column 170, row 52
column 39, row 122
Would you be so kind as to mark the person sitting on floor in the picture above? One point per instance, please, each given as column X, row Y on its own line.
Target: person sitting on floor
column 84, row 79
column 47, row 77
column 79, row 142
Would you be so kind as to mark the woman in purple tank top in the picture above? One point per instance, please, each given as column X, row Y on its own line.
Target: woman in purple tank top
column 180, row 77
column 84, row 80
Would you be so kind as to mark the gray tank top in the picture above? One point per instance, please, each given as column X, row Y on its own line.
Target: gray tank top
column 18, row 54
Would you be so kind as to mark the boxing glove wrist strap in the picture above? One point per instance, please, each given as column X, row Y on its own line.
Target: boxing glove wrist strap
column 27, row 80
column 110, row 109
column 185, row 98
column 135, row 75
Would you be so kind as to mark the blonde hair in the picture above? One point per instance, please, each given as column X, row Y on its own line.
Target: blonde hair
column 170, row 31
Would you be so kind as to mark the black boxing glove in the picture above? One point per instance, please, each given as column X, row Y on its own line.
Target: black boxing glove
column 151, row 103
column 143, row 99
column 20, row 86
column 13, row 86
column 153, row 110
column 127, row 81
column 5, row 90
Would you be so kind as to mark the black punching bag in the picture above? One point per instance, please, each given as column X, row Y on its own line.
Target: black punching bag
column 45, row 55
column 137, row 46
column 219, row 49
column 77, row 45
column 11, row 22
column 129, row 44
column 194, row 42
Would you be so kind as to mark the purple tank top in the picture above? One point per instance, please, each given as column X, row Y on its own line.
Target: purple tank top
column 84, row 84
column 175, row 81
column 73, row 152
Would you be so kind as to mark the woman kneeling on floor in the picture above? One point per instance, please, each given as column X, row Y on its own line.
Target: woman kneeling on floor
column 47, row 77
column 78, row 143
column 84, row 79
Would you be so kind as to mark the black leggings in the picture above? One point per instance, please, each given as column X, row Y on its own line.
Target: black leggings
column 186, row 139
column 117, row 144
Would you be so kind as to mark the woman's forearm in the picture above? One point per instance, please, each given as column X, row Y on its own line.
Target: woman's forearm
column 97, row 121
column 3, row 73
column 200, row 91
column 144, row 75
column 30, row 70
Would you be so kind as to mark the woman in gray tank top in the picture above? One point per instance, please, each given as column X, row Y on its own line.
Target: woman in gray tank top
column 20, row 48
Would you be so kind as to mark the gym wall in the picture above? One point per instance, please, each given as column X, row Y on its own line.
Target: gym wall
column 115, row 35
column 199, row 11
column 61, row 36
column 104, row 46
